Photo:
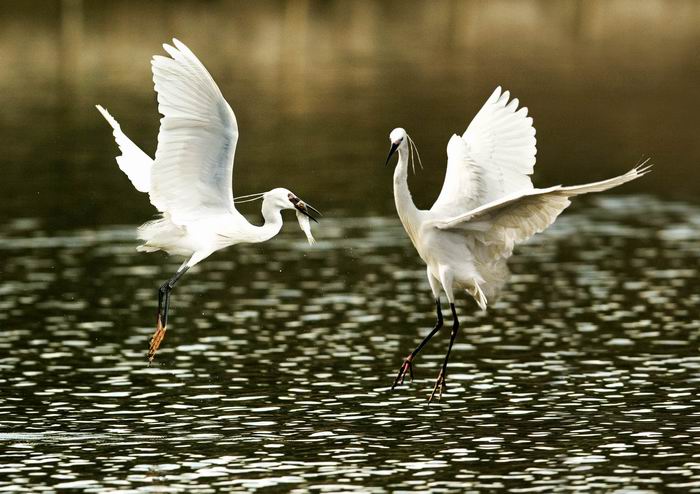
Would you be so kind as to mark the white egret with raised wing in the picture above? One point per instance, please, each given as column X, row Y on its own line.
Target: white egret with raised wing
column 486, row 207
column 190, row 180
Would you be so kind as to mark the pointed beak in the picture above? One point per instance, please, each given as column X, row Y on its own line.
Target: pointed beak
column 394, row 146
column 306, row 210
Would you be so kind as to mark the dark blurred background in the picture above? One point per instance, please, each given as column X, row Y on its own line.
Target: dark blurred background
column 318, row 85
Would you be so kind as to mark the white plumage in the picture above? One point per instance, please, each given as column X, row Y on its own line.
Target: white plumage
column 190, row 180
column 134, row 162
column 494, row 156
column 487, row 206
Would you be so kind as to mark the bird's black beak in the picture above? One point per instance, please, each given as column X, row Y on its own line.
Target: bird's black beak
column 394, row 147
column 306, row 210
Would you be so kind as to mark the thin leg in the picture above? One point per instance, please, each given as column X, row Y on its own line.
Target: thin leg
column 407, row 365
column 162, row 316
column 440, row 382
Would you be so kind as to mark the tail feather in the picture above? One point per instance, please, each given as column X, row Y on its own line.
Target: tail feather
column 133, row 161
column 162, row 234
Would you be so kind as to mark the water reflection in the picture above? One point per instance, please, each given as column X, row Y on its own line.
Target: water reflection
column 317, row 86
column 277, row 375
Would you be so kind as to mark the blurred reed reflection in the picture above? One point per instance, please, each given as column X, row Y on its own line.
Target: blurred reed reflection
column 317, row 86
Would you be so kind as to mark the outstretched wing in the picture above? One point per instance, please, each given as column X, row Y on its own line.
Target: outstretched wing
column 502, row 142
column 520, row 219
column 197, row 140
column 133, row 161
column 463, row 187
column 496, row 160
column 503, row 223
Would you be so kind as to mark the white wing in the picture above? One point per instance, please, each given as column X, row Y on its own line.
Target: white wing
column 134, row 162
column 515, row 218
column 498, row 158
column 197, row 139
column 462, row 187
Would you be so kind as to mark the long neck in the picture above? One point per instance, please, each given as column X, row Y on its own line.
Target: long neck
column 273, row 222
column 408, row 213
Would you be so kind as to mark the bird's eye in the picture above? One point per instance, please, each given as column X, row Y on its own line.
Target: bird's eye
column 293, row 199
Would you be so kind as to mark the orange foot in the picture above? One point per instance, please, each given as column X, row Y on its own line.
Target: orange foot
column 405, row 367
column 439, row 386
column 156, row 339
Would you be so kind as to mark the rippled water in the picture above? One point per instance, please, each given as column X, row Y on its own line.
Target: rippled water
column 275, row 375
column 583, row 377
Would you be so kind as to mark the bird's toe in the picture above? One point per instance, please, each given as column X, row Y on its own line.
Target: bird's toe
column 439, row 387
column 407, row 366
column 156, row 340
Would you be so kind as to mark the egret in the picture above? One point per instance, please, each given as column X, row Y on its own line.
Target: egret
column 190, row 180
column 486, row 207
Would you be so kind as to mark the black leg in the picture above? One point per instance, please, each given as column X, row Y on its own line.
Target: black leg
column 440, row 382
column 161, row 298
column 165, row 289
column 162, row 316
column 407, row 365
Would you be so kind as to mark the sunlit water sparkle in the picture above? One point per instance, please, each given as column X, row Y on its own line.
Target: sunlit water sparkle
column 276, row 367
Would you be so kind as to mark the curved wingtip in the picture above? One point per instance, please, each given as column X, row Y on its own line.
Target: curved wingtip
column 496, row 94
column 170, row 50
column 184, row 49
column 177, row 45
column 505, row 97
column 110, row 119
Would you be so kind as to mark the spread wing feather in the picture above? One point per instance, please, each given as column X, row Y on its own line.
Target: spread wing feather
column 193, row 168
column 502, row 224
column 133, row 161
column 463, row 187
column 497, row 157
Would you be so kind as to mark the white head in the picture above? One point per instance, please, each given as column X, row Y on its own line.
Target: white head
column 401, row 140
column 397, row 136
column 281, row 198
column 278, row 199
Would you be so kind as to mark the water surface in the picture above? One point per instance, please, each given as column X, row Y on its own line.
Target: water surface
column 275, row 373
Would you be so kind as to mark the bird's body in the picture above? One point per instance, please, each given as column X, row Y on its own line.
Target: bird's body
column 190, row 180
column 487, row 206
column 208, row 234
column 454, row 260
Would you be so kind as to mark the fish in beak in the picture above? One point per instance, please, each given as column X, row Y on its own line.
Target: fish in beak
column 303, row 207
column 304, row 211
column 305, row 226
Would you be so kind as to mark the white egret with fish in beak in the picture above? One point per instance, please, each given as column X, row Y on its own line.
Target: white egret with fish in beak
column 190, row 180
column 486, row 207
